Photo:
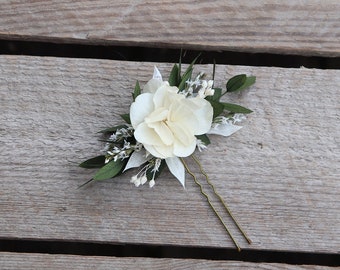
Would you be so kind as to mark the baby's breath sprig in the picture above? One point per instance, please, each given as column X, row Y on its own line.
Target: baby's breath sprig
column 167, row 121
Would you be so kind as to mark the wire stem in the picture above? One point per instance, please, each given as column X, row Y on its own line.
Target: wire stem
column 211, row 205
column 221, row 200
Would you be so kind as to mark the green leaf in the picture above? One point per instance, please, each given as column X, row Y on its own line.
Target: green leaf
column 236, row 82
column 112, row 129
column 217, row 107
column 185, row 78
column 204, row 138
column 174, row 77
column 86, row 183
column 187, row 74
column 110, row 170
column 137, row 91
column 240, row 82
column 217, row 94
column 126, row 118
column 234, row 108
column 249, row 82
column 96, row 162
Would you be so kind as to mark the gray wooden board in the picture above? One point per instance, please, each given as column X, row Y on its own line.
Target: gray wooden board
column 49, row 261
column 296, row 27
column 279, row 174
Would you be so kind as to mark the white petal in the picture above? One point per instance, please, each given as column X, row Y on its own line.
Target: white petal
column 181, row 133
column 181, row 114
column 141, row 108
column 176, row 167
column 224, row 129
column 204, row 114
column 136, row 159
column 152, row 85
column 152, row 151
column 156, row 74
column 159, row 96
column 181, row 150
column 194, row 113
column 159, row 151
column 164, row 133
column 146, row 135
column 165, row 95
column 159, row 114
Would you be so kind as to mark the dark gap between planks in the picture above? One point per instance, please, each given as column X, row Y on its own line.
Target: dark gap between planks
column 178, row 252
column 146, row 54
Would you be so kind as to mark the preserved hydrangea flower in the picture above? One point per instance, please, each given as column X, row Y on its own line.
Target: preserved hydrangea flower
column 166, row 122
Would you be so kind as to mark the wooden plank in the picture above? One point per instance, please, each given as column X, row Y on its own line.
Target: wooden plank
column 37, row 261
column 293, row 27
column 280, row 173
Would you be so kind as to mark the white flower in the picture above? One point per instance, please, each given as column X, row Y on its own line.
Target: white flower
column 206, row 89
column 166, row 122
column 136, row 180
column 151, row 183
column 141, row 177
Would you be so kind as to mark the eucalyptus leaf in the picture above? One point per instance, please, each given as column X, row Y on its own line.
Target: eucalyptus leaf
column 250, row 80
column 187, row 74
column 110, row 170
column 174, row 77
column 191, row 66
column 236, row 82
column 234, row 108
column 184, row 79
column 126, row 118
column 96, row 162
column 137, row 91
column 86, row 183
column 218, row 107
column 217, row 94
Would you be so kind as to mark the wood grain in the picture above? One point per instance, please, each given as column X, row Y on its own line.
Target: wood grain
column 290, row 27
column 47, row 261
column 280, row 173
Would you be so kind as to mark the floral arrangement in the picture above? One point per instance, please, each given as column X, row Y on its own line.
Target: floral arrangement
column 168, row 121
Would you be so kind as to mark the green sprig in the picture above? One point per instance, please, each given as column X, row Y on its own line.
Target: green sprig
column 110, row 170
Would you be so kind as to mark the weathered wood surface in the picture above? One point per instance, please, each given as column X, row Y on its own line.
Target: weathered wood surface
column 48, row 261
column 280, row 173
column 295, row 27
